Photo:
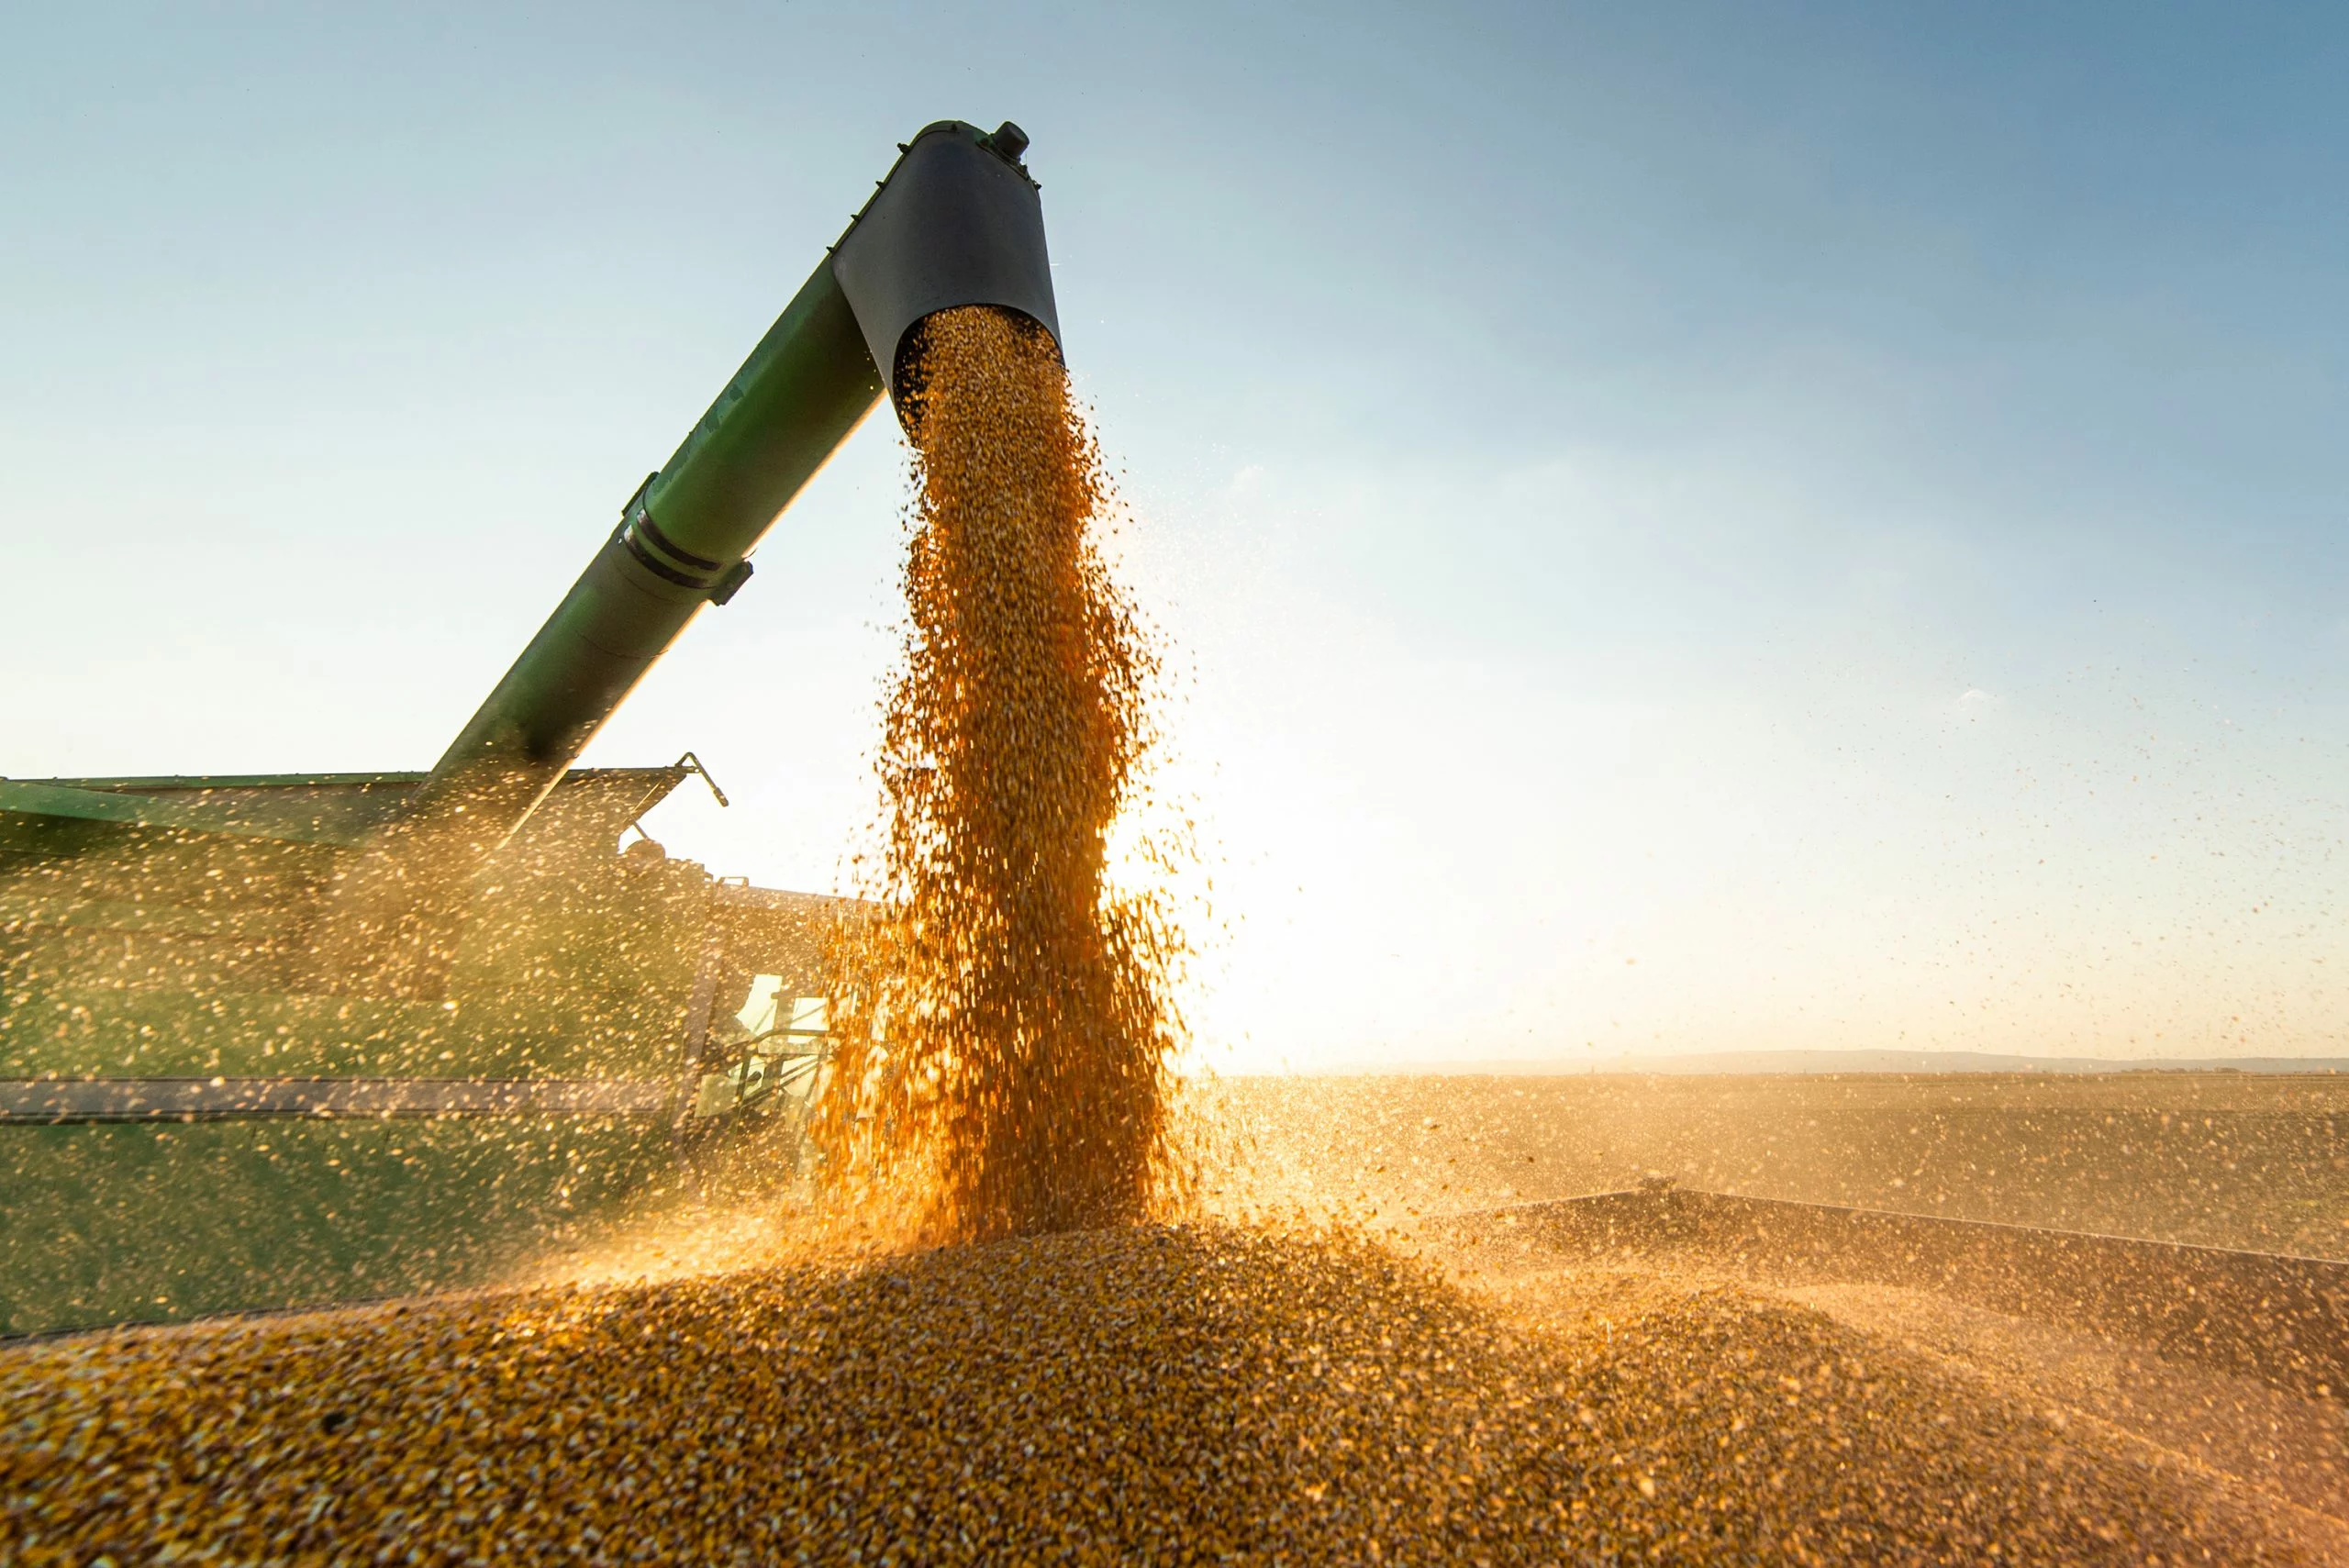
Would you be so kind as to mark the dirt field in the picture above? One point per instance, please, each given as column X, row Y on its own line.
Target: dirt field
column 2230, row 1160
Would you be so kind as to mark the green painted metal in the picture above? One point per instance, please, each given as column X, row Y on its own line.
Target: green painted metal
column 136, row 811
column 957, row 222
column 681, row 544
column 176, row 783
column 303, row 809
column 808, row 385
column 125, row 1224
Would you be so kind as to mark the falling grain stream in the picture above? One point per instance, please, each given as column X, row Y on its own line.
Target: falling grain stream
column 1006, row 1017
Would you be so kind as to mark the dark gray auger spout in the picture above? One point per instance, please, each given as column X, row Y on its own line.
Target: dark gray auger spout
column 957, row 222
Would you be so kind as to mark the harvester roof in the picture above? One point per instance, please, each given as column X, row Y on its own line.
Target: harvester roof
column 329, row 808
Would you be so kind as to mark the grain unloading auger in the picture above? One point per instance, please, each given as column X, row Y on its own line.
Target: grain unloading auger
column 397, row 1024
column 958, row 222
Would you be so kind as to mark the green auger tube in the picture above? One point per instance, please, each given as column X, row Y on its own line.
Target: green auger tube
column 958, row 221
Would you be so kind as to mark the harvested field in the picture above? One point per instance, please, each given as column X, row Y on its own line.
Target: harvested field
column 2258, row 1162
column 1153, row 1394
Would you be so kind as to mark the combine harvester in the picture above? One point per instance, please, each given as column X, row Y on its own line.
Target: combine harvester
column 267, row 1041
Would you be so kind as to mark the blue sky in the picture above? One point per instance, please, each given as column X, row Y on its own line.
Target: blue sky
column 1687, row 527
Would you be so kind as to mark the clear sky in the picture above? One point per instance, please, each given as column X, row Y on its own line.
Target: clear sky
column 1688, row 526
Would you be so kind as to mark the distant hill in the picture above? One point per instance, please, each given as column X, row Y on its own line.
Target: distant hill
column 1821, row 1062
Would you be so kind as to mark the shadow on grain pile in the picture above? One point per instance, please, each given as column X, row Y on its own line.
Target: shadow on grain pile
column 1143, row 1394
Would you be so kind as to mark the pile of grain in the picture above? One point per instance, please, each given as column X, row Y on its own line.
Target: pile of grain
column 1002, row 1028
column 1145, row 1393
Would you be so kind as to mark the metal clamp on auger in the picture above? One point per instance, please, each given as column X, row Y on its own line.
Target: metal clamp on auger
column 656, row 554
